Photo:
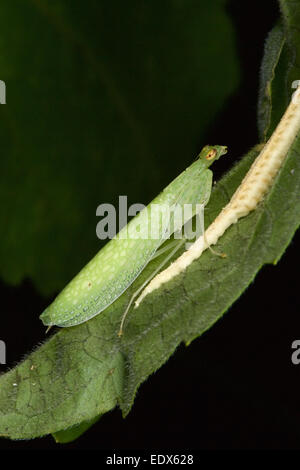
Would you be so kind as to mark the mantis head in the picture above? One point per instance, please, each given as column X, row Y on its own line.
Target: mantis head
column 210, row 153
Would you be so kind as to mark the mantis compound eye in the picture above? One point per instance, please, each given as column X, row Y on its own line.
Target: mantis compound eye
column 211, row 154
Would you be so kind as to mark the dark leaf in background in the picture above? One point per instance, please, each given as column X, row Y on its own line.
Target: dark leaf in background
column 103, row 99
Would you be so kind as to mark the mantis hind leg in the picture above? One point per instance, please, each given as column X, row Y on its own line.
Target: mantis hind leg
column 214, row 252
column 159, row 267
column 189, row 233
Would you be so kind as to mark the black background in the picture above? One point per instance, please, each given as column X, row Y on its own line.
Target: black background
column 235, row 387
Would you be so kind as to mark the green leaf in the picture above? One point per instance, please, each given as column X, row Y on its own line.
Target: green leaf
column 71, row 434
column 291, row 17
column 268, row 92
column 96, row 92
column 282, row 55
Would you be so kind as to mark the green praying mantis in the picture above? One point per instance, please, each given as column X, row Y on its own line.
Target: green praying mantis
column 123, row 258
